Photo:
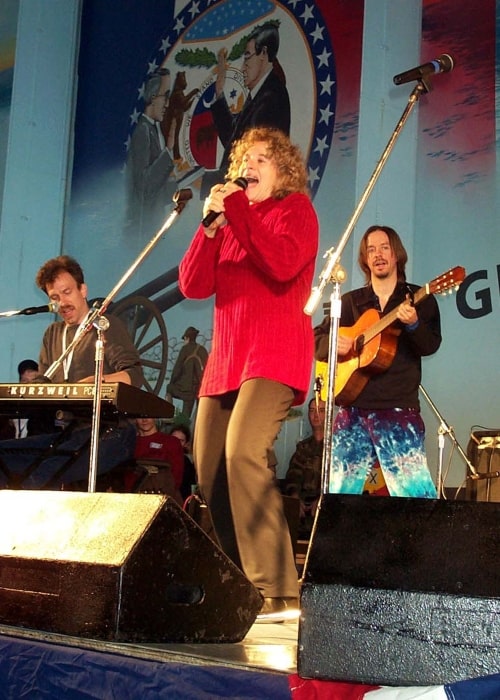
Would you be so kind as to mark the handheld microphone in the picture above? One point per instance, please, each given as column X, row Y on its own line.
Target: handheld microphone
column 443, row 64
column 52, row 306
column 212, row 215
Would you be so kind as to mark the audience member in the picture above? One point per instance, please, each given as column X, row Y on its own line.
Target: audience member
column 183, row 434
column 41, row 421
column 18, row 427
column 162, row 460
column 28, row 371
column 303, row 478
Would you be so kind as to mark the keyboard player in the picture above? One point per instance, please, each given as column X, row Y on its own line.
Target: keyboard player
column 62, row 279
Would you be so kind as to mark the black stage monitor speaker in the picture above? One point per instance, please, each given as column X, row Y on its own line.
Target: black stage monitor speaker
column 123, row 567
column 401, row 591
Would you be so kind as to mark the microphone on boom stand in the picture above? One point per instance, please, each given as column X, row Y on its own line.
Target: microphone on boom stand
column 52, row 306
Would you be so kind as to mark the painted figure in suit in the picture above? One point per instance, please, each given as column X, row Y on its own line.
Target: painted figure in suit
column 150, row 165
column 267, row 103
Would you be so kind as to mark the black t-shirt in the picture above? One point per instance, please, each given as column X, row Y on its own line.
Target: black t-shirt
column 398, row 385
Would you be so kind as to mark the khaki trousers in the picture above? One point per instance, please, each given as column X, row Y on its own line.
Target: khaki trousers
column 233, row 435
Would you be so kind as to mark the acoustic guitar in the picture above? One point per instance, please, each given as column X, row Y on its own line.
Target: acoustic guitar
column 375, row 341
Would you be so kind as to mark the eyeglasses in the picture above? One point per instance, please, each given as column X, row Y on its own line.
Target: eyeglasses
column 165, row 95
column 247, row 56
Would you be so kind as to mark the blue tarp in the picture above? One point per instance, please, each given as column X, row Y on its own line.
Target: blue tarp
column 35, row 669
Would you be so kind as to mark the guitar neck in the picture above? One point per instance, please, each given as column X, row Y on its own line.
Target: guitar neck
column 389, row 318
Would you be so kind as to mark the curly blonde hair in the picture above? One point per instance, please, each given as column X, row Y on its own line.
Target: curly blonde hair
column 292, row 173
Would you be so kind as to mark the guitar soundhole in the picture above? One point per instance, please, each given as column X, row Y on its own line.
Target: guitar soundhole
column 358, row 343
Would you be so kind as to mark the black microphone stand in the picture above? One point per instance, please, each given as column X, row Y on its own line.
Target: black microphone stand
column 95, row 319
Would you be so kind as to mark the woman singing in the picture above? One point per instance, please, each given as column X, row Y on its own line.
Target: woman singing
column 257, row 258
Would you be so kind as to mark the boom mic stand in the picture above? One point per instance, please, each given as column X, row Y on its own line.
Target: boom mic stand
column 445, row 429
column 95, row 318
column 330, row 273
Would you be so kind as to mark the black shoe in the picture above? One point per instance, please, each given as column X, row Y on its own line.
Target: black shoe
column 279, row 610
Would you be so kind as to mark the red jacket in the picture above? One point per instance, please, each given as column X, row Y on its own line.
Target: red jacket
column 260, row 268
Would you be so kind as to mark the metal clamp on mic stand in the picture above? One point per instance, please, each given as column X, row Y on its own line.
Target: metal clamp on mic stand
column 95, row 319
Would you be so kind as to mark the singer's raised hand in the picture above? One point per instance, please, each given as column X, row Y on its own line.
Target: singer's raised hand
column 214, row 204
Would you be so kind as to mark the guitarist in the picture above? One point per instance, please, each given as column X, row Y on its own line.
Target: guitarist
column 382, row 423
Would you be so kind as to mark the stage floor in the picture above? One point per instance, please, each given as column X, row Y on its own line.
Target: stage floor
column 266, row 647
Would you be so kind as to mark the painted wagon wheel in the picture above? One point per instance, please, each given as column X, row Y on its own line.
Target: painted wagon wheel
column 147, row 329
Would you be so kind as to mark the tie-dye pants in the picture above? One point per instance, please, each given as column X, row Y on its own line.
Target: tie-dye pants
column 393, row 437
